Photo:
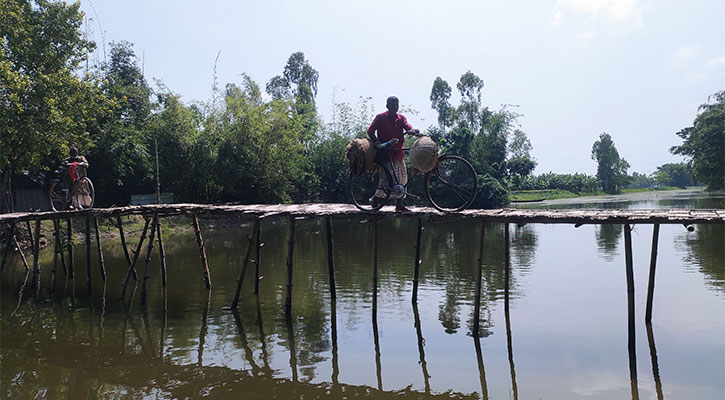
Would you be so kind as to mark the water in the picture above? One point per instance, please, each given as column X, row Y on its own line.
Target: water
column 567, row 335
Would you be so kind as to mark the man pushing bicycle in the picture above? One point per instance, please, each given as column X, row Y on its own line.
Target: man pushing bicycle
column 390, row 125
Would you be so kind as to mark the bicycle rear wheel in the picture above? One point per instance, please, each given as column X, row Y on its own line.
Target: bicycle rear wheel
column 362, row 189
column 452, row 184
column 58, row 195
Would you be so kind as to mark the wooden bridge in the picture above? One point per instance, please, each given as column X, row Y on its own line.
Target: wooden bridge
column 154, row 213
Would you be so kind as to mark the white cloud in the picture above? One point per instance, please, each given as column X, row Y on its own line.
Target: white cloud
column 718, row 62
column 687, row 53
column 584, row 35
column 613, row 10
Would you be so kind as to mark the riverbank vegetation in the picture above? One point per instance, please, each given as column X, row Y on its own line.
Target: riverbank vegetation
column 251, row 143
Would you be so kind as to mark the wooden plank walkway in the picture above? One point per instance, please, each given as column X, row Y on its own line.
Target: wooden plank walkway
column 510, row 215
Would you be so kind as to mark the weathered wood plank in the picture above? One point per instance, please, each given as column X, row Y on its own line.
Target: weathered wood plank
column 507, row 215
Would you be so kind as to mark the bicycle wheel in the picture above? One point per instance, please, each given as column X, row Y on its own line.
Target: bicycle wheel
column 58, row 195
column 84, row 188
column 452, row 184
column 362, row 189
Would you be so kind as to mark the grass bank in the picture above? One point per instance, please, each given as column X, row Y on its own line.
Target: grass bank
column 553, row 194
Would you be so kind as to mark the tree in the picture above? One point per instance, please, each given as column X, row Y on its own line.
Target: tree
column 45, row 107
column 674, row 174
column 520, row 163
column 611, row 169
column 121, row 157
column 440, row 96
column 704, row 143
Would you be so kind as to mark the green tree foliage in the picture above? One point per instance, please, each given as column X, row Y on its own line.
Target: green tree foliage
column 674, row 174
column 611, row 169
column 481, row 135
column 121, row 157
column 704, row 143
column 45, row 106
column 575, row 183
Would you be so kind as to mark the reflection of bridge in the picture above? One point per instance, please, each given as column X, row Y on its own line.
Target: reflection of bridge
column 154, row 213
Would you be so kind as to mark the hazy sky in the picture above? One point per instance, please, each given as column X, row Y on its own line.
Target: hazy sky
column 636, row 69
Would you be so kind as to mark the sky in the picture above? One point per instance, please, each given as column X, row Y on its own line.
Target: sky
column 636, row 69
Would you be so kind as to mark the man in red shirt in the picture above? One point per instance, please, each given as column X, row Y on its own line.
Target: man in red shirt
column 391, row 125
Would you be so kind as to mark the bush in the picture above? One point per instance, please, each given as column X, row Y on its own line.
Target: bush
column 491, row 194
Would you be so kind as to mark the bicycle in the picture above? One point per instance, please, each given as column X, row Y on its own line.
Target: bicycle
column 60, row 195
column 450, row 186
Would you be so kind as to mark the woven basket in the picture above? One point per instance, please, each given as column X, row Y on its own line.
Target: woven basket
column 424, row 154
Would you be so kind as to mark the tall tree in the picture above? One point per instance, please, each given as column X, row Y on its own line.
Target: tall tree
column 45, row 106
column 611, row 169
column 122, row 156
column 704, row 143
column 440, row 96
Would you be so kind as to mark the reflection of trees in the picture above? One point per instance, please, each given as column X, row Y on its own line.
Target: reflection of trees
column 706, row 250
column 608, row 236
column 523, row 246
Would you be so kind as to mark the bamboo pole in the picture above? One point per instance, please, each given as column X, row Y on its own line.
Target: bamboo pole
column 630, row 311
column 333, row 338
column 124, row 246
column 69, row 224
column 132, row 266
column 292, row 347
column 204, row 328
column 55, row 255
column 481, row 368
column 479, row 274
column 290, row 265
column 507, row 260
column 421, row 350
column 202, row 252
column 30, row 232
column 36, row 255
column 149, row 248
column 416, row 267
column 378, row 361
column 8, row 243
column 375, row 268
column 257, row 258
column 507, row 315
column 330, row 258
column 99, row 246
column 652, row 267
column 243, row 270
column 655, row 364
column 22, row 255
column 162, row 252
column 89, row 284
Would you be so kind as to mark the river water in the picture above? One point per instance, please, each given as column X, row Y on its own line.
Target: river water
column 565, row 335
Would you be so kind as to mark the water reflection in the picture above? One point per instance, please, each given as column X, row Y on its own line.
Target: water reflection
column 705, row 250
column 324, row 349
column 608, row 237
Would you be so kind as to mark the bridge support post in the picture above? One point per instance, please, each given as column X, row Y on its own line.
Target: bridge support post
column 330, row 257
column 124, row 246
column 479, row 274
column 99, row 246
column 36, row 255
column 202, row 253
column 243, row 270
column 375, row 268
column 630, row 310
column 258, row 257
column 149, row 249
column 290, row 265
column 87, row 235
column 132, row 266
column 69, row 224
column 416, row 267
column 162, row 253
column 652, row 267
column 8, row 242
